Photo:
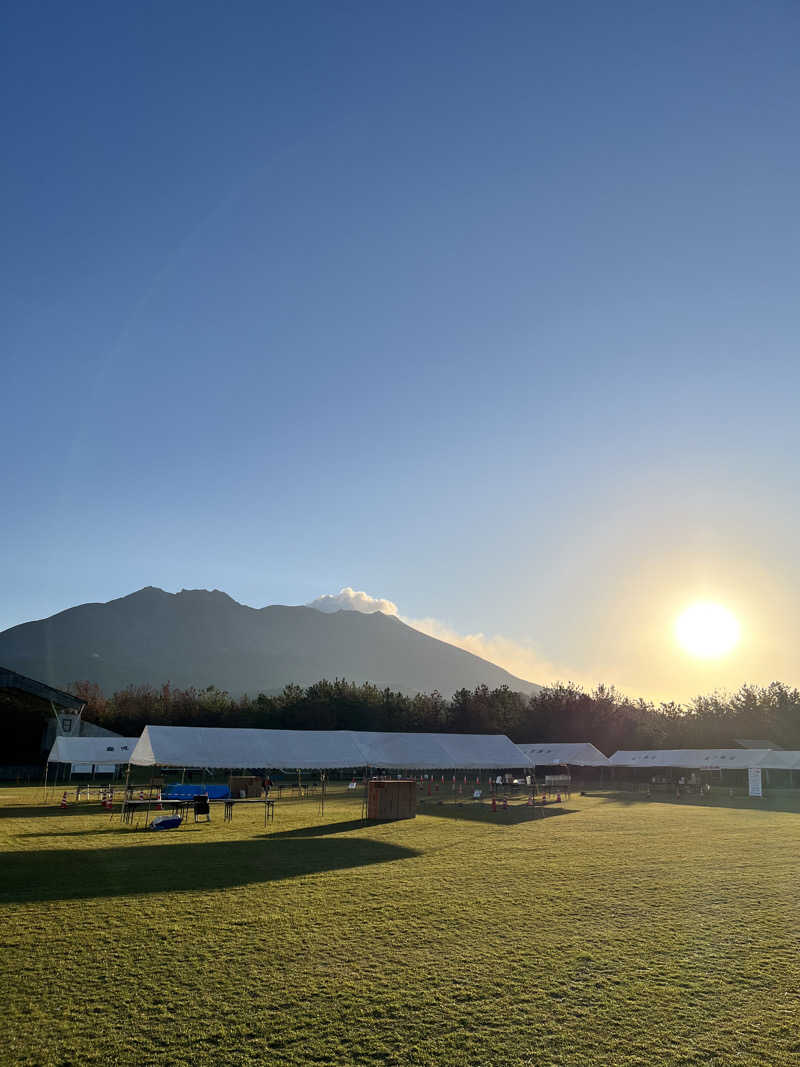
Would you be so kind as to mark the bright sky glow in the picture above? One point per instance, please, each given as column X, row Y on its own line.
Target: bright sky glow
column 707, row 631
column 489, row 311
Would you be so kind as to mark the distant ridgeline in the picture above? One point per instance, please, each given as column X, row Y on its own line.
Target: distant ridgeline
column 198, row 639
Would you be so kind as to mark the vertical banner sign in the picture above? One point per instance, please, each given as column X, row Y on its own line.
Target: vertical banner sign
column 754, row 781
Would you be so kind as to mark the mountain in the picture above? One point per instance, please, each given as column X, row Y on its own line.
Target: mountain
column 201, row 638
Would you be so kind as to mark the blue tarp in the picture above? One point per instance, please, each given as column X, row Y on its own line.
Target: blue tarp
column 166, row 822
column 184, row 792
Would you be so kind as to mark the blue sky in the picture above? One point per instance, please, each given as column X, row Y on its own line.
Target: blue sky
column 490, row 310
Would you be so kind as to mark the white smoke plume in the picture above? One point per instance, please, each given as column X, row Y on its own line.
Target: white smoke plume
column 513, row 656
column 348, row 599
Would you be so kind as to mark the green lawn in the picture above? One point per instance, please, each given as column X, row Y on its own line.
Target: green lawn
column 618, row 932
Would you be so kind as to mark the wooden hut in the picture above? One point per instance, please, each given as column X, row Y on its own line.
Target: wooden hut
column 389, row 798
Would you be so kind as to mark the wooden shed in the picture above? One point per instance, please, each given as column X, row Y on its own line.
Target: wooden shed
column 389, row 798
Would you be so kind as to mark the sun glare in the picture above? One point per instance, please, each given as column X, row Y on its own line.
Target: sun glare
column 707, row 630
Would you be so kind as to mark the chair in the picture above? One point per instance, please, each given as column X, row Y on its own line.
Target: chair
column 202, row 807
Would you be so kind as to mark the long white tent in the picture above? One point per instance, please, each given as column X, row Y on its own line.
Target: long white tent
column 574, row 753
column 424, row 752
column 97, row 751
column 207, row 746
column 715, row 759
column 196, row 746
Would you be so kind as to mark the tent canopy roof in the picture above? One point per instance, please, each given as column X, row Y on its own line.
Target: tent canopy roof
column 576, row 753
column 98, row 750
column 197, row 746
column 439, row 751
column 708, row 758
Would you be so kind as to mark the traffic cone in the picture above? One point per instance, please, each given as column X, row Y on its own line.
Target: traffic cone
column 558, row 799
column 530, row 800
column 63, row 800
column 159, row 806
column 505, row 803
column 494, row 804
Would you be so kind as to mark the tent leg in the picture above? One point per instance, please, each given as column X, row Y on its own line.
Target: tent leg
column 125, row 792
column 46, row 769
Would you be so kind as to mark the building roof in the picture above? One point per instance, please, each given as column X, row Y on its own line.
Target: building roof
column 30, row 687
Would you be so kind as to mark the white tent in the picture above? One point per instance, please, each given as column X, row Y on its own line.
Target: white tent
column 90, row 755
column 196, row 746
column 715, row 759
column 781, row 760
column 92, row 751
column 440, row 751
column 205, row 746
column 575, row 754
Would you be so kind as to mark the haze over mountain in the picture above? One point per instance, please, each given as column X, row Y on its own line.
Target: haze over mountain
column 200, row 638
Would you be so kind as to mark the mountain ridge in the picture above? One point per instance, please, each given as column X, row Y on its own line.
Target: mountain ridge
column 202, row 637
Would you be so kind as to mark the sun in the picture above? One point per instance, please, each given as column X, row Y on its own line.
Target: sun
column 707, row 630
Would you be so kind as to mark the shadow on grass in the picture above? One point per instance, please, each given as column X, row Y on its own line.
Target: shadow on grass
column 513, row 816
column 67, row 874
column 44, row 811
column 773, row 801
column 326, row 828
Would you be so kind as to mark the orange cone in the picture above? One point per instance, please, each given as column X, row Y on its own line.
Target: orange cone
column 63, row 800
column 494, row 804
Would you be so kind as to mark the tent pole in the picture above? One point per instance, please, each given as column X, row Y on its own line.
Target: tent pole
column 125, row 791
column 46, row 769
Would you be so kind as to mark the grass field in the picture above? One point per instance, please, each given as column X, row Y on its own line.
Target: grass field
column 618, row 932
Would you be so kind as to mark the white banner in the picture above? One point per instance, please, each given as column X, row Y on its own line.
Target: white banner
column 754, row 781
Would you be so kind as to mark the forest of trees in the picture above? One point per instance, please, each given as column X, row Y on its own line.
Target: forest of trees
column 562, row 712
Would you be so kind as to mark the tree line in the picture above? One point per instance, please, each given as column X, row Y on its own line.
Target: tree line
column 560, row 712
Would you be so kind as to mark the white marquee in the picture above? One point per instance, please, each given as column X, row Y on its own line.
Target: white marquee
column 196, row 746
column 575, row 754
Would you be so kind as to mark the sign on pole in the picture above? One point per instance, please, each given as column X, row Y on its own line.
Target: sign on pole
column 754, row 781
